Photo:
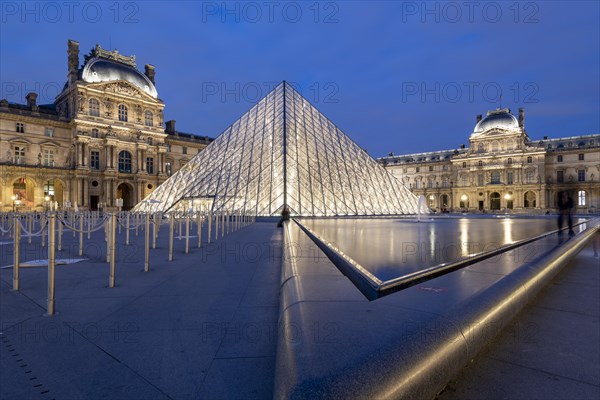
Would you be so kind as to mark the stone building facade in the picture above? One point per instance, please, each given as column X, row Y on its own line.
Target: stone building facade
column 101, row 140
column 504, row 170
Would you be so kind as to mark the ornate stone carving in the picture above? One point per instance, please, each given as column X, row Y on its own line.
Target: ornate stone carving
column 123, row 88
column 108, row 105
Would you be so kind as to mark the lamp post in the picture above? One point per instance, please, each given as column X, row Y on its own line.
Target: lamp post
column 13, row 198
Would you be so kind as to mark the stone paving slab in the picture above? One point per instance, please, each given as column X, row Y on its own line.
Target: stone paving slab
column 552, row 348
column 203, row 326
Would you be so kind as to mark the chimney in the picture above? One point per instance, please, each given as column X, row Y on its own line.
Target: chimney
column 479, row 116
column 32, row 100
column 150, row 72
column 73, row 60
column 522, row 117
column 170, row 126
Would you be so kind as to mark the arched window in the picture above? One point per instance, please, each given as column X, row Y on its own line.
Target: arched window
column 122, row 112
column 480, row 163
column 480, row 148
column 94, row 107
column 148, row 120
column 581, row 198
column 125, row 161
column 509, row 161
column 529, row 200
column 494, row 146
column 529, row 160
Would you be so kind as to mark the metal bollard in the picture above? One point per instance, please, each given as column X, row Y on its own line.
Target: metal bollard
column 127, row 231
column 171, row 228
column 16, row 239
column 147, row 235
column 209, row 226
column 187, row 233
column 199, row 230
column 51, row 264
column 112, row 240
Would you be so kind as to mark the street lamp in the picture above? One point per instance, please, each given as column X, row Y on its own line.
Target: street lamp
column 13, row 198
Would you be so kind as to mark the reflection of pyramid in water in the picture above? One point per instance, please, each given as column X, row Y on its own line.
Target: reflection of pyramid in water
column 284, row 151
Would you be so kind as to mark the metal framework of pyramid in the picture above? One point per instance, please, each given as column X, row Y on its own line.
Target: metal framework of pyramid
column 283, row 151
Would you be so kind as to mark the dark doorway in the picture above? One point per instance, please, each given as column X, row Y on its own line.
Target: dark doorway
column 125, row 192
column 480, row 205
column 94, row 203
column 495, row 201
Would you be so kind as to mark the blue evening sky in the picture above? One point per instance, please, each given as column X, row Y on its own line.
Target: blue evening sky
column 396, row 77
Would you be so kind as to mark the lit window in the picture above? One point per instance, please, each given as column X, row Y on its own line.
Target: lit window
column 94, row 107
column 122, row 113
column 49, row 132
column 48, row 157
column 581, row 198
column 148, row 120
column 581, row 175
column 168, row 168
column 95, row 159
column 19, row 155
column 20, row 127
column 49, row 188
column 125, row 161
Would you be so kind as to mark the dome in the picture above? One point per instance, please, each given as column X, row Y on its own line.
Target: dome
column 497, row 119
column 103, row 70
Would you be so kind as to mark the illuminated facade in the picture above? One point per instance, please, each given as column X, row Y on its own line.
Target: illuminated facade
column 504, row 170
column 101, row 140
column 283, row 152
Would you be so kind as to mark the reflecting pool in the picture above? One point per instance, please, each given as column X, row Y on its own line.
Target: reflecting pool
column 389, row 248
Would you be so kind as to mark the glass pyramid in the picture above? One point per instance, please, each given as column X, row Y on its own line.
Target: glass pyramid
column 283, row 151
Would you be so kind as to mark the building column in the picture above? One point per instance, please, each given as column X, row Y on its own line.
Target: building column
column 86, row 192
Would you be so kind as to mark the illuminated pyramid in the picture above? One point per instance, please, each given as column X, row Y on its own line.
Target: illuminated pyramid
column 283, row 151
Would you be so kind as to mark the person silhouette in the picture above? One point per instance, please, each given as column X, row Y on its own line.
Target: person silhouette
column 565, row 206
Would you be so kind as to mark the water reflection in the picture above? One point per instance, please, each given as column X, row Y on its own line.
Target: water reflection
column 390, row 248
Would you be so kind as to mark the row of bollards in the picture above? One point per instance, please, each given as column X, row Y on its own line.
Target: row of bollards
column 87, row 222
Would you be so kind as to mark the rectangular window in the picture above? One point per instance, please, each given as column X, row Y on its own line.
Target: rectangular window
column 20, row 127
column 19, row 155
column 95, row 159
column 509, row 178
column 479, row 179
column 168, row 169
column 417, row 169
column 431, row 168
column 560, row 176
column 581, row 157
column 184, row 150
column 464, row 180
column 495, row 177
column 168, row 148
column 95, row 133
column 529, row 177
column 49, row 132
column 559, row 158
column 149, row 141
column 48, row 157
column 581, row 175
column 150, row 165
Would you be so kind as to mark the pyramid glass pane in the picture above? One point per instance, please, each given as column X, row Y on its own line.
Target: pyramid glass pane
column 283, row 151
